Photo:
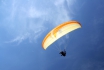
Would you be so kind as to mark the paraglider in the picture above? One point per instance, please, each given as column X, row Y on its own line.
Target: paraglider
column 58, row 32
column 63, row 53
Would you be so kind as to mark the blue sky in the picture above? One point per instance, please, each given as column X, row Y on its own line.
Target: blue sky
column 24, row 24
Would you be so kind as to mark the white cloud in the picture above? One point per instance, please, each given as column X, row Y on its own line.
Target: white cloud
column 3, row 2
column 28, row 20
column 18, row 39
column 33, row 13
column 59, row 2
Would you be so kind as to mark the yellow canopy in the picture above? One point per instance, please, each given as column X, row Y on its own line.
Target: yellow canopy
column 59, row 31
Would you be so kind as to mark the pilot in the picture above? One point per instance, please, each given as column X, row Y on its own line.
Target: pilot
column 63, row 53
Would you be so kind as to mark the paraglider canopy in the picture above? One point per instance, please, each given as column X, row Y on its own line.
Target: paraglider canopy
column 59, row 31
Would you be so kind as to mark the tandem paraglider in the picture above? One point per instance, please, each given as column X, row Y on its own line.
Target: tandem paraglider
column 58, row 32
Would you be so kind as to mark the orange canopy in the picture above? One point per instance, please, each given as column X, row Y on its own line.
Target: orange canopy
column 59, row 31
